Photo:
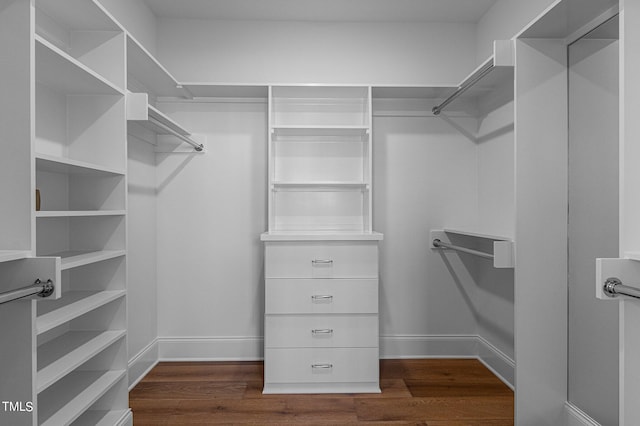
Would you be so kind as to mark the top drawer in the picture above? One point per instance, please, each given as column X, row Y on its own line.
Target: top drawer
column 323, row 259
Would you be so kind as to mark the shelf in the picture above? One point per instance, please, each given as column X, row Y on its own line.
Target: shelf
column 53, row 164
column 502, row 248
column 74, row 259
column 85, row 213
column 64, row 354
column 11, row 255
column 321, row 236
column 103, row 417
column 61, row 72
column 78, row 15
column 88, row 386
column 320, row 186
column 411, row 92
column 211, row 90
column 477, row 234
column 302, row 130
column 140, row 111
column 487, row 77
column 73, row 305
column 146, row 70
column 632, row 255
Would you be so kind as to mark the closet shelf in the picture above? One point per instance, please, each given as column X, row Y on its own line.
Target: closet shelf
column 477, row 234
column 318, row 186
column 140, row 111
column 62, row 355
column 102, row 417
column 79, row 213
column 73, row 305
column 501, row 255
column 316, row 130
column 321, row 236
column 150, row 73
column 53, row 164
column 79, row 15
column 486, row 77
column 11, row 255
column 88, row 386
column 223, row 90
column 76, row 258
column 61, row 72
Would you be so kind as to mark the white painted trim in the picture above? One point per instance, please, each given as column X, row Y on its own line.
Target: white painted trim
column 143, row 361
column 427, row 346
column 195, row 348
column 577, row 417
column 497, row 361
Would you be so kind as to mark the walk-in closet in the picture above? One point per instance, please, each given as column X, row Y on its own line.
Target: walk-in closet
column 319, row 212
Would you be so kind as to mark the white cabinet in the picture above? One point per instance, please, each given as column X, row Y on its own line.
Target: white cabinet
column 321, row 254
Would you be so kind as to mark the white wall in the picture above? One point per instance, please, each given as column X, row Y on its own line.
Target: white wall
column 137, row 19
column 211, row 211
column 142, row 294
column 316, row 52
column 504, row 20
column 424, row 178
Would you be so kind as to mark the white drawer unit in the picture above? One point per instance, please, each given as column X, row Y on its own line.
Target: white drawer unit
column 321, row 318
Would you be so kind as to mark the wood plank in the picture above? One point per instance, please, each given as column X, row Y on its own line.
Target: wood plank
column 231, row 371
column 189, row 390
column 429, row 409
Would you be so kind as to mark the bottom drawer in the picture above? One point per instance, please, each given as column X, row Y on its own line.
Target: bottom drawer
column 321, row 365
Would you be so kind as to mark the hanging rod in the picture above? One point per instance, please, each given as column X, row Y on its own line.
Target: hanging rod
column 198, row 146
column 477, row 76
column 41, row 289
column 440, row 244
column 613, row 287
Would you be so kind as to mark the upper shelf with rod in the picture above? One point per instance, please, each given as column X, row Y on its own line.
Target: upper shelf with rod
column 486, row 77
column 502, row 254
column 139, row 110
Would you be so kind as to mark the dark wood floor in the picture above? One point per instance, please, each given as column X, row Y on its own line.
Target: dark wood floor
column 432, row 392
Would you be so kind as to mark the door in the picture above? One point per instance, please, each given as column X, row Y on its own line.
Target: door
column 627, row 266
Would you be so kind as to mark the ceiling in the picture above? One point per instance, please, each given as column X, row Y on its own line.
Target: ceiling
column 325, row 10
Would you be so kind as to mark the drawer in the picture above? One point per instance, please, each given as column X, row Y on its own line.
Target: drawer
column 315, row 296
column 308, row 331
column 321, row 365
column 335, row 259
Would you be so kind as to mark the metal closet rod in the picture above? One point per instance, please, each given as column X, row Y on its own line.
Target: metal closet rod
column 198, row 146
column 38, row 287
column 440, row 244
column 482, row 72
column 613, row 287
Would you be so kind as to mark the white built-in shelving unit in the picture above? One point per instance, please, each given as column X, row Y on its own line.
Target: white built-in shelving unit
column 71, row 142
column 321, row 258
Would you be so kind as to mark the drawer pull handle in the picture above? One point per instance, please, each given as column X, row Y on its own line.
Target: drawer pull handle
column 322, row 331
column 322, row 366
column 321, row 297
column 322, row 261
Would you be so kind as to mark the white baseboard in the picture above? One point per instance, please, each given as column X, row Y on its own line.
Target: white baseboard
column 577, row 417
column 240, row 348
column 496, row 361
column 427, row 346
column 142, row 363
